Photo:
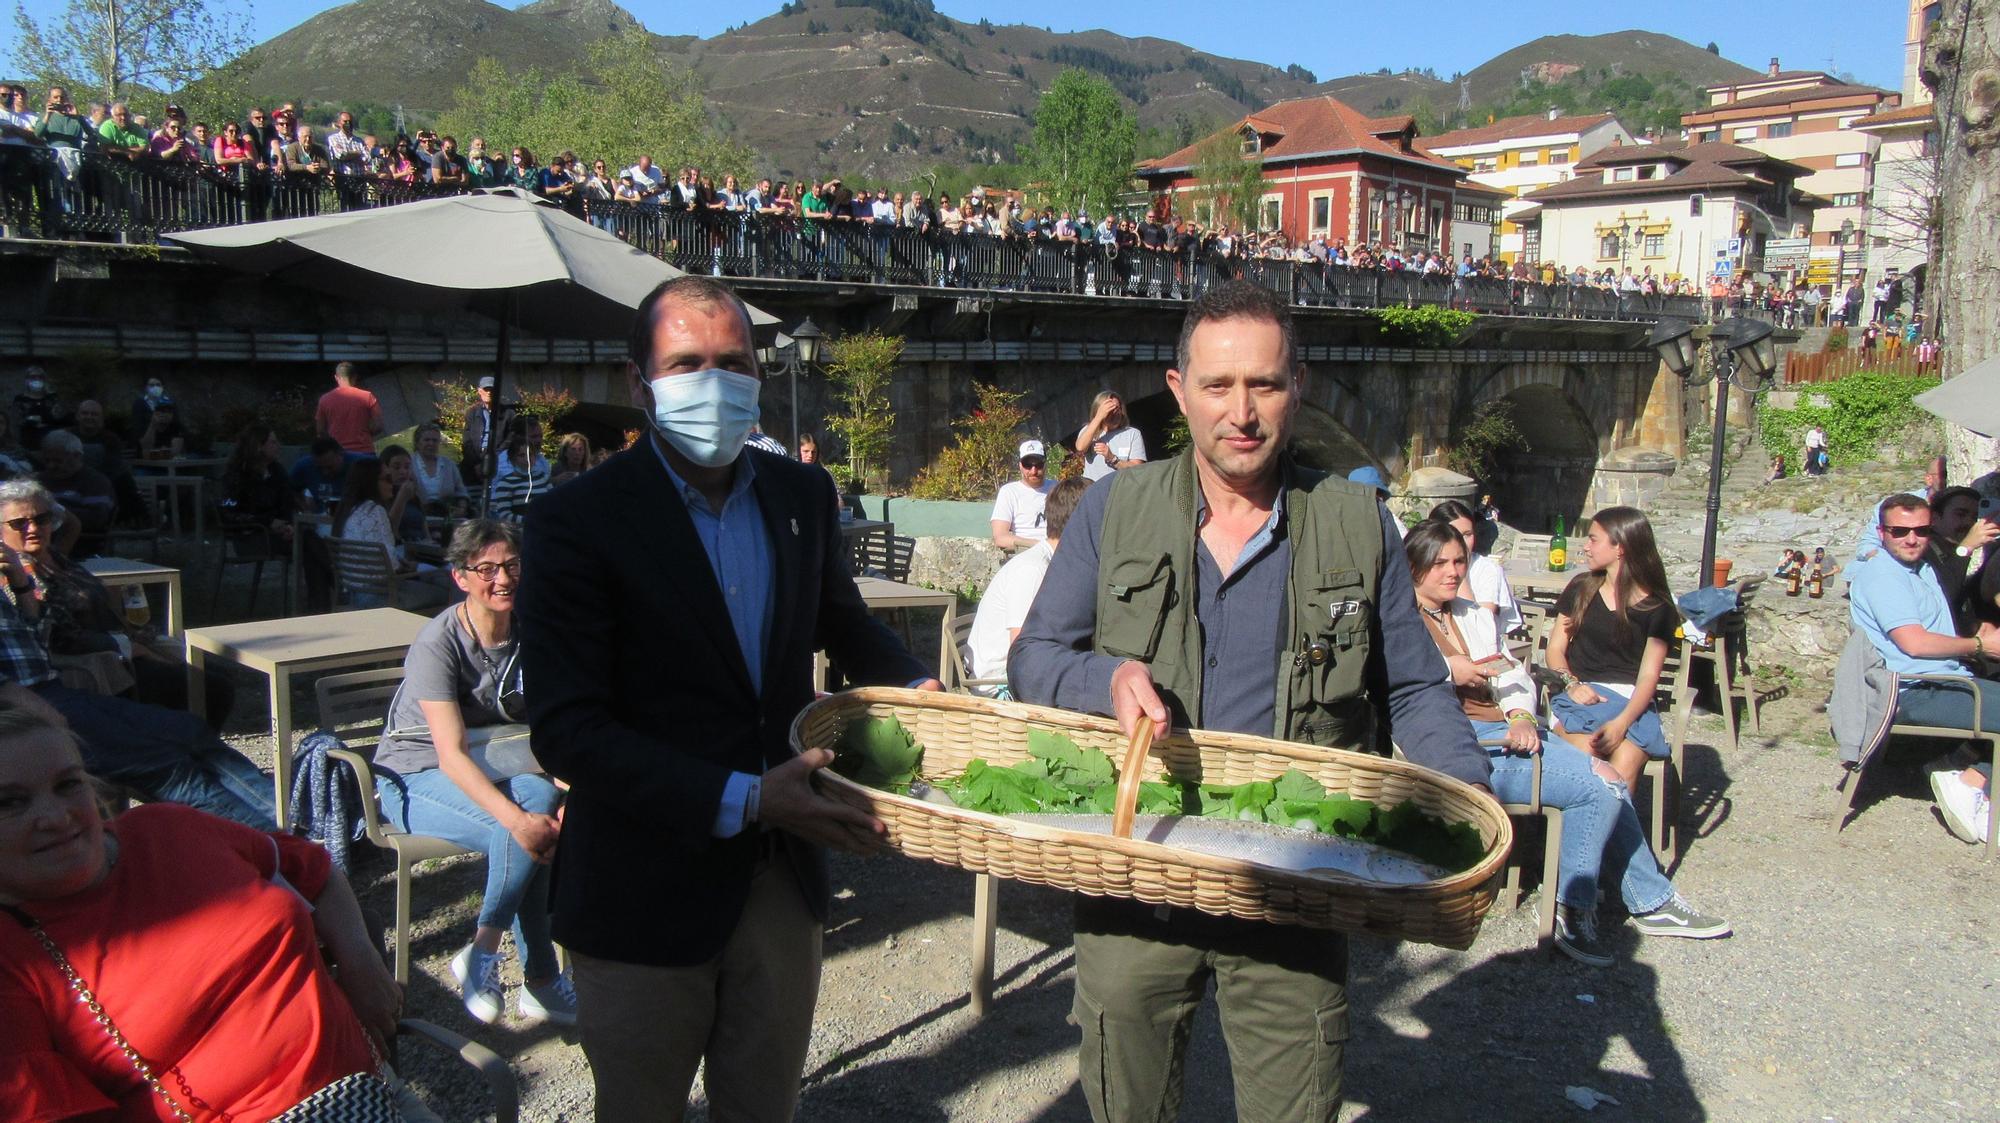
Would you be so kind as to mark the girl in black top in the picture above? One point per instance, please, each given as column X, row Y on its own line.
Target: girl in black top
column 1611, row 640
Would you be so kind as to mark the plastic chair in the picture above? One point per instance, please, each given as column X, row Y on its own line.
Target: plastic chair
column 499, row 1078
column 958, row 636
column 246, row 542
column 986, row 888
column 355, row 707
column 364, row 575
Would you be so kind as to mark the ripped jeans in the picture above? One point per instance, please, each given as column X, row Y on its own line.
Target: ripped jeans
column 1601, row 837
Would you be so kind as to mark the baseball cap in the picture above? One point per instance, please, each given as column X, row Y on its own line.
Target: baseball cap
column 1033, row 448
column 1370, row 475
column 486, row 383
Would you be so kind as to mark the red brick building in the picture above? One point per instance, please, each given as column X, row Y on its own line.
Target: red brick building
column 1328, row 171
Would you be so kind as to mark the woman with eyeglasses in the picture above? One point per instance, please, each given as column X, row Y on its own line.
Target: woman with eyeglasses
column 455, row 764
column 85, row 621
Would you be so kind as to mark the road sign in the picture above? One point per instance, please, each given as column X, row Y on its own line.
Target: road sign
column 1736, row 247
column 1787, row 253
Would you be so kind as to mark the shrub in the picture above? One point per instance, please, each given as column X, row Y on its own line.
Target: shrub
column 1863, row 412
column 1490, row 432
column 1836, row 339
column 1426, row 325
column 984, row 456
column 455, row 396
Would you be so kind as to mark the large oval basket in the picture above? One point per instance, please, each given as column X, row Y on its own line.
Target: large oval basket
column 955, row 728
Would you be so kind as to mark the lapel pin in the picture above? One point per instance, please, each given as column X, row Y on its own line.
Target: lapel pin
column 795, row 526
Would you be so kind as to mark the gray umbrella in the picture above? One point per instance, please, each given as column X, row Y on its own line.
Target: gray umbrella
column 504, row 253
column 1971, row 400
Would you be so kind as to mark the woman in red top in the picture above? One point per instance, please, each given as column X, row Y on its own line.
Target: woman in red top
column 198, row 938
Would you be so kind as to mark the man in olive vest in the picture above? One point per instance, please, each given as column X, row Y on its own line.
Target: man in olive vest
column 1229, row 588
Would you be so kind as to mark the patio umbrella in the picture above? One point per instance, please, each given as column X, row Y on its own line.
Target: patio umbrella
column 1971, row 400
column 504, row 253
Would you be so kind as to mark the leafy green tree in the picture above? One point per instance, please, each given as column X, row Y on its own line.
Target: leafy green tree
column 859, row 366
column 1227, row 182
column 1085, row 142
column 114, row 49
column 626, row 103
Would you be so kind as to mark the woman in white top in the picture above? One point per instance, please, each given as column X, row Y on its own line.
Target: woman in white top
column 363, row 516
column 1601, row 837
column 437, row 478
column 1485, row 581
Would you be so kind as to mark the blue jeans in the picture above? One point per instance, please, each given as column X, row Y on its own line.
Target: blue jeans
column 517, row 886
column 1948, row 704
column 1601, row 837
column 168, row 755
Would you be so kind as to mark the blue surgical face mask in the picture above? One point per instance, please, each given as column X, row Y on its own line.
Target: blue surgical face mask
column 706, row 415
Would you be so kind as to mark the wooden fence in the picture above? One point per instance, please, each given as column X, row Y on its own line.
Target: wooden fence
column 1827, row 366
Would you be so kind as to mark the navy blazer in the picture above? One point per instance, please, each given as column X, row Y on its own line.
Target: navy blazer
column 639, row 698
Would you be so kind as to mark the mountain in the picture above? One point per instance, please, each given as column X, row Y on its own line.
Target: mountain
column 887, row 88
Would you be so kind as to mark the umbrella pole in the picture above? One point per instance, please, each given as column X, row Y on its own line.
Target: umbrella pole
column 493, row 430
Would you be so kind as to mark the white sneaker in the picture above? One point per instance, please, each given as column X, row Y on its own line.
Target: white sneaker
column 478, row 973
column 553, row 1001
column 1966, row 809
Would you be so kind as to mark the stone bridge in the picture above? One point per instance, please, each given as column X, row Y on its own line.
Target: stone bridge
column 1598, row 411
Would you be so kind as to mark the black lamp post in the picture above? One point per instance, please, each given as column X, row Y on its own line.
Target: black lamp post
column 803, row 351
column 1738, row 341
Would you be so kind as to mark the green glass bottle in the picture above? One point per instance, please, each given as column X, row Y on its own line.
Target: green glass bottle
column 1558, row 549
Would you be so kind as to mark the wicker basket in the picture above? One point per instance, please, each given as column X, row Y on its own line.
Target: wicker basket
column 954, row 729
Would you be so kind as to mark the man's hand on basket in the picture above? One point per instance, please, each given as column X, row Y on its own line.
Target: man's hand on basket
column 789, row 802
column 1133, row 698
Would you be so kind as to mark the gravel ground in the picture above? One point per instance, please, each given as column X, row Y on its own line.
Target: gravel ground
column 1853, row 989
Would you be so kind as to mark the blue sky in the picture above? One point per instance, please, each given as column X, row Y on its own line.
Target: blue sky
column 1864, row 38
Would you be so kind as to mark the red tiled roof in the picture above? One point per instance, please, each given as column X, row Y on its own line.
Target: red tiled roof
column 1675, row 151
column 1908, row 114
column 1695, row 167
column 1309, row 126
column 1822, row 92
column 1510, row 128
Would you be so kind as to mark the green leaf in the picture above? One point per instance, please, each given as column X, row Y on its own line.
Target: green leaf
column 878, row 752
column 1068, row 764
column 1295, row 784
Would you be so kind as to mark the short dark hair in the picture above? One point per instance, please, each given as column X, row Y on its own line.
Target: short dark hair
column 1061, row 504
column 1901, row 501
column 1423, row 543
column 474, row 536
column 1238, row 300
column 1453, row 509
column 704, row 291
column 323, row 445
column 1944, row 497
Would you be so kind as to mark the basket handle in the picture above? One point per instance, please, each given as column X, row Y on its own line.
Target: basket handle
column 1128, row 777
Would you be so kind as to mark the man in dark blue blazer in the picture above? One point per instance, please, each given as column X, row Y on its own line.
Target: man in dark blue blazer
column 671, row 604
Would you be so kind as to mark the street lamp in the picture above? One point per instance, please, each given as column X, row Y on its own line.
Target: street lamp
column 1738, row 341
column 802, row 351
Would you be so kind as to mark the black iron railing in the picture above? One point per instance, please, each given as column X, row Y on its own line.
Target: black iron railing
column 76, row 195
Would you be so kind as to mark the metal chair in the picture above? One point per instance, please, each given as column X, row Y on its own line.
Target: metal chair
column 499, row 1078
column 884, row 555
column 246, row 542
column 355, row 707
column 143, row 527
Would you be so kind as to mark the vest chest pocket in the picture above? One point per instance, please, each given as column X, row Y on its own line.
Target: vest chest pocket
column 1336, row 619
column 1137, row 594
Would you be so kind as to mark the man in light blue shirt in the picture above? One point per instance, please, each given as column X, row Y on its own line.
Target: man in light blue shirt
column 1895, row 598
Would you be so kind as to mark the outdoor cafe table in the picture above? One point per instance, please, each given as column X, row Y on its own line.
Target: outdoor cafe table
column 117, row 573
column 883, row 596
column 295, row 645
column 1539, row 584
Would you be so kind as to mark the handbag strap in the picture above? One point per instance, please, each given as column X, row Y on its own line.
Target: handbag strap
column 103, row 1019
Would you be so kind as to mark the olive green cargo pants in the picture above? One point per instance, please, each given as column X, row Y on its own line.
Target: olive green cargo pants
column 1281, row 992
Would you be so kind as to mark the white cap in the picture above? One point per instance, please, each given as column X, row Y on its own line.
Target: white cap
column 1033, row 448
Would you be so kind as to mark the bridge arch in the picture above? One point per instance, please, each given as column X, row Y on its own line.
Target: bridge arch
column 1552, row 409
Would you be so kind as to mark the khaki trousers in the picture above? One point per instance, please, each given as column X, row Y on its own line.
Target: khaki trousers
column 747, row 1013
column 1281, row 992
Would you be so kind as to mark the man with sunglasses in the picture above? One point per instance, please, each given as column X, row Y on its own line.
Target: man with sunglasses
column 1896, row 599
column 1019, row 510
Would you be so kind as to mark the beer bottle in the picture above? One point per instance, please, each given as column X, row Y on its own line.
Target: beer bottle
column 1558, row 549
column 1816, row 586
column 1795, row 574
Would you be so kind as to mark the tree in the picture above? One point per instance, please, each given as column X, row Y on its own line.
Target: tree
column 1227, row 182
column 626, row 103
column 114, row 49
column 1084, row 144
column 1713, row 49
column 1961, row 65
column 860, row 366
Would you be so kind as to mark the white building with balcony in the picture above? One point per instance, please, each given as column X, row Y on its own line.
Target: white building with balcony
column 1516, row 155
